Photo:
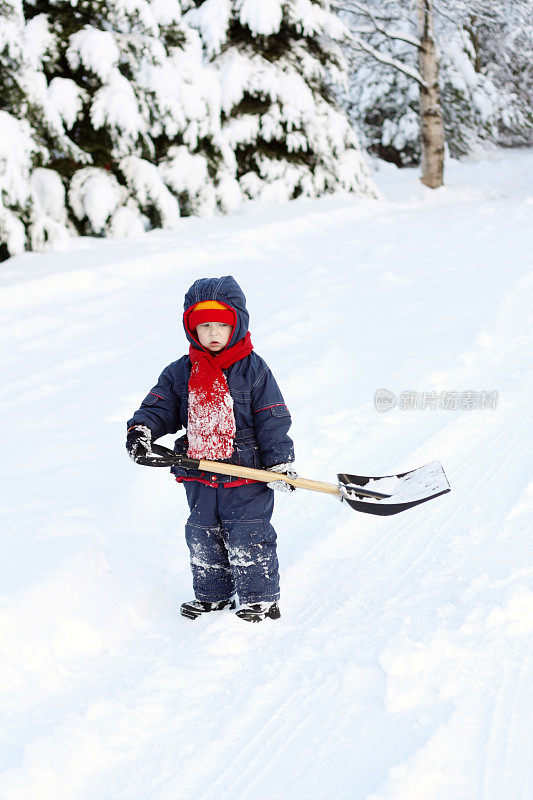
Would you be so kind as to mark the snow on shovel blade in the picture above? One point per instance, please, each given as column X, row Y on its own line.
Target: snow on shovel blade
column 404, row 491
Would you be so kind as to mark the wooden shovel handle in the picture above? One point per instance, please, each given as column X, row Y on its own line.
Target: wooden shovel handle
column 266, row 476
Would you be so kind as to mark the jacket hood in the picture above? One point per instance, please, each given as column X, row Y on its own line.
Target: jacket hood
column 225, row 290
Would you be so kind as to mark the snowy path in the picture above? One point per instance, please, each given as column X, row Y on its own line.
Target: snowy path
column 402, row 666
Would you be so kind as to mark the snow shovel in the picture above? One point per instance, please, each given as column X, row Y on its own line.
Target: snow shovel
column 389, row 494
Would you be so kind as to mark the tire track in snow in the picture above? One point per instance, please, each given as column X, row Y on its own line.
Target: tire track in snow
column 458, row 512
column 269, row 741
column 512, row 307
column 497, row 774
column 234, row 754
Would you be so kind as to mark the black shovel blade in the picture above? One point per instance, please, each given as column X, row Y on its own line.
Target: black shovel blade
column 401, row 491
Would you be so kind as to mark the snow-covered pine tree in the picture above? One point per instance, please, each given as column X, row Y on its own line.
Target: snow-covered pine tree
column 283, row 134
column 32, row 196
column 11, row 53
column 123, row 123
column 26, row 123
column 485, row 80
column 128, row 81
column 15, row 162
column 497, row 41
column 381, row 99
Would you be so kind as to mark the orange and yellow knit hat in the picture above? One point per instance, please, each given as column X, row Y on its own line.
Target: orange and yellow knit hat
column 209, row 311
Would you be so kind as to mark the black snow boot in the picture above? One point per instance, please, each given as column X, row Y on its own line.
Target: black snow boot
column 195, row 608
column 255, row 612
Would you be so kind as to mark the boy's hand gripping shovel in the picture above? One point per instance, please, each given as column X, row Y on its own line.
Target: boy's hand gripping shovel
column 389, row 494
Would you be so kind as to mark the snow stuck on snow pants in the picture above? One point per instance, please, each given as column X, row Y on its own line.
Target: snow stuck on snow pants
column 231, row 542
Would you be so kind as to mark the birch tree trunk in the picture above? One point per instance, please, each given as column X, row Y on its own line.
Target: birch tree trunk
column 432, row 127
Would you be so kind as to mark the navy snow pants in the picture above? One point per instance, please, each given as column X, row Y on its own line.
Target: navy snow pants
column 231, row 542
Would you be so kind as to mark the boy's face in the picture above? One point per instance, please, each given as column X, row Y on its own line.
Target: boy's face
column 214, row 336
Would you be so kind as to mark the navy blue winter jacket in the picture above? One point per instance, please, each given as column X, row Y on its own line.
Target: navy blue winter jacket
column 262, row 419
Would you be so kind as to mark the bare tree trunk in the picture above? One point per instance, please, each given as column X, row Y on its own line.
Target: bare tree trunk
column 432, row 127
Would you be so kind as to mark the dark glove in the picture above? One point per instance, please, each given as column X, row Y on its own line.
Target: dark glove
column 139, row 441
column 284, row 469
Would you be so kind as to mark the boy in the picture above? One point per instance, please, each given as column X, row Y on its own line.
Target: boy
column 225, row 396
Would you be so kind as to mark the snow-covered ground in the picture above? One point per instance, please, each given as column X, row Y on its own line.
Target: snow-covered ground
column 402, row 666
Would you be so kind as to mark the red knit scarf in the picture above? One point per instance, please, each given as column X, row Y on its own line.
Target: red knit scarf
column 211, row 426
